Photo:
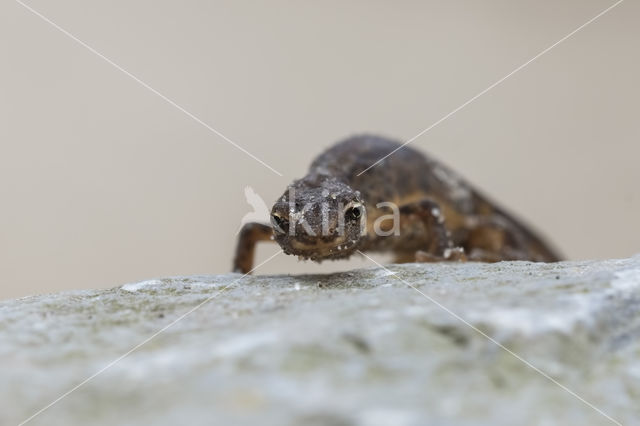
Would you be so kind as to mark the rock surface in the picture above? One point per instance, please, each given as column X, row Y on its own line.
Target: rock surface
column 354, row 348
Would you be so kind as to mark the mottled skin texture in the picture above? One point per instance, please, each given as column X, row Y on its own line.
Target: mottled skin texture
column 441, row 216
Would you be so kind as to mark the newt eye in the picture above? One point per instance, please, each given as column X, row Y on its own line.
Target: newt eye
column 353, row 213
column 279, row 223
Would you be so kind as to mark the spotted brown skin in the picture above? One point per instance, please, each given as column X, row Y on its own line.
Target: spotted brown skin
column 330, row 213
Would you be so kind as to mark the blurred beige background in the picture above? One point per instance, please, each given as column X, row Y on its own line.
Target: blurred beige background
column 102, row 182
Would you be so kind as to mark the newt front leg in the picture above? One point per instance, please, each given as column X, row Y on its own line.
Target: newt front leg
column 250, row 235
column 439, row 246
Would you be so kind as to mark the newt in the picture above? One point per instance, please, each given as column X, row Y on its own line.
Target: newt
column 409, row 204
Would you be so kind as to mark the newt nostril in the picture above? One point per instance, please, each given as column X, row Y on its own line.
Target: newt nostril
column 280, row 224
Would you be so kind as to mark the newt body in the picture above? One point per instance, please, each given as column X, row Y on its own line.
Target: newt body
column 428, row 212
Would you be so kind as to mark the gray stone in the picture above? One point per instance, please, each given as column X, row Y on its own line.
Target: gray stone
column 353, row 348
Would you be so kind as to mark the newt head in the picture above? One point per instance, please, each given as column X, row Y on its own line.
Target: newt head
column 319, row 219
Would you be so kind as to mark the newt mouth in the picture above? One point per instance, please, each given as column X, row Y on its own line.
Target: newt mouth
column 319, row 250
